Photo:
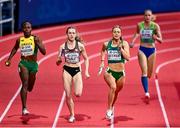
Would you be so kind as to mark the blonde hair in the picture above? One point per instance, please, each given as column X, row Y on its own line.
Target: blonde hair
column 153, row 18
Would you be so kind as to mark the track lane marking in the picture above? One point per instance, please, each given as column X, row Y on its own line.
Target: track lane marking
column 158, row 89
column 87, row 23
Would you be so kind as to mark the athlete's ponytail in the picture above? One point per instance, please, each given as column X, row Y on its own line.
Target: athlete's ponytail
column 79, row 39
column 153, row 18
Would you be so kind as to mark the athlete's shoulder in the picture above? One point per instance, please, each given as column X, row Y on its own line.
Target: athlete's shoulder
column 106, row 43
column 21, row 37
column 81, row 44
column 35, row 37
column 124, row 42
column 62, row 45
column 154, row 25
column 140, row 23
column 18, row 40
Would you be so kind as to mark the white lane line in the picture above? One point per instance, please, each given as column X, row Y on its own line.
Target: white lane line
column 96, row 55
column 89, row 23
column 99, row 31
column 94, row 42
column 59, row 110
column 19, row 89
column 54, row 39
column 53, row 54
column 10, row 103
column 162, row 104
column 159, row 92
column 64, row 95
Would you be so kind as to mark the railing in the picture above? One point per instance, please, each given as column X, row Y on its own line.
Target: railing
column 6, row 16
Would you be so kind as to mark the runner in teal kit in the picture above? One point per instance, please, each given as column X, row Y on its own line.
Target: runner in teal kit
column 149, row 32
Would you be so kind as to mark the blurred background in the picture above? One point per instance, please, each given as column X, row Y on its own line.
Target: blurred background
column 43, row 13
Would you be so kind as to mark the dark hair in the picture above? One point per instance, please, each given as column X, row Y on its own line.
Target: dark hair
column 79, row 39
column 117, row 26
column 24, row 23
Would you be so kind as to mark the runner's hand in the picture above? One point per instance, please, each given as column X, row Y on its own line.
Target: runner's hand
column 131, row 45
column 100, row 70
column 7, row 63
column 87, row 75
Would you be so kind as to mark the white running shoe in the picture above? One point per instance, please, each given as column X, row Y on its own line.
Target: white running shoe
column 109, row 114
column 71, row 119
column 147, row 97
column 25, row 112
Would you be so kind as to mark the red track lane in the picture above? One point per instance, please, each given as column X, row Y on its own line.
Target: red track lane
column 128, row 116
column 130, row 109
column 170, row 89
column 169, row 83
column 88, row 26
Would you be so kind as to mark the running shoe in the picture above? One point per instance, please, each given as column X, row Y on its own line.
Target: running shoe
column 147, row 97
column 109, row 114
column 25, row 112
column 71, row 119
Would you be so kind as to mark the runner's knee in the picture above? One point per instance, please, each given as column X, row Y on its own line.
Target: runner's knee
column 113, row 88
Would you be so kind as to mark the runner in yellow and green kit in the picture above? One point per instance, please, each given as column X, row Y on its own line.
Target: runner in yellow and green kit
column 28, row 67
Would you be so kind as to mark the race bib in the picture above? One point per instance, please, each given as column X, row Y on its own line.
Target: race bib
column 114, row 55
column 72, row 57
column 27, row 50
column 146, row 34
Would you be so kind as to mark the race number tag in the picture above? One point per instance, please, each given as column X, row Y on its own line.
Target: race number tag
column 27, row 50
column 146, row 34
column 114, row 55
column 72, row 57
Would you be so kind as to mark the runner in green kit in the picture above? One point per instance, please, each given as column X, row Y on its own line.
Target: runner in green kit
column 149, row 32
column 28, row 67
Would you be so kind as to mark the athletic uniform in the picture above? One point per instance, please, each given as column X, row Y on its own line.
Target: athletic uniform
column 28, row 48
column 146, row 35
column 72, row 56
column 114, row 56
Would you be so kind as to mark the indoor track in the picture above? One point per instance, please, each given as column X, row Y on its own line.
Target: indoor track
column 47, row 100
